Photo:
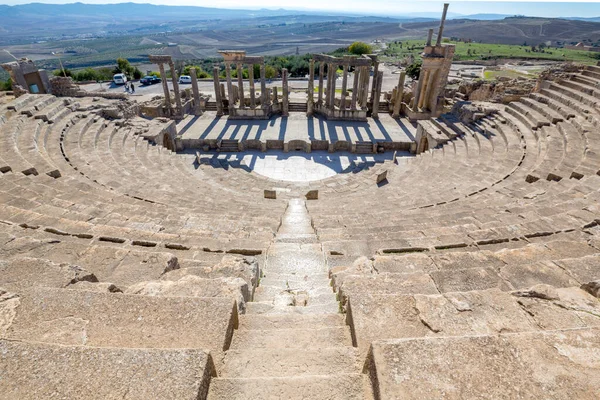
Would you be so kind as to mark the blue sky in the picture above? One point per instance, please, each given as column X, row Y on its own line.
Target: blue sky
column 389, row 7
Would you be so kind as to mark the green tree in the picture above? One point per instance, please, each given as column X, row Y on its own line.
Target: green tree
column 59, row 72
column 414, row 70
column 360, row 48
column 124, row 67
column 270, row 72
column 6, row 85
column 200, row 73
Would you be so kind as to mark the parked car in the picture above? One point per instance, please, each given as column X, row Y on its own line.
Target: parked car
column 149, row 80
column 119, row 79
column 185, row 79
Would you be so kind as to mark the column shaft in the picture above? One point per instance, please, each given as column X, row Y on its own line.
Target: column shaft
column 366, row 72
column 285, row 94
column 229, row 87
column 333, row 69
column 195, row 91
column 263, row 87
column 375, row 112
column 218, row 97
column 344, row 87
column 240, row 79
column 176, row 88
column 399, row 95
column 355, row 89
column 251, row 84
column 311, row 88
column 321, row 74
column 165, row 85
column 423, row 89
column 375, row 75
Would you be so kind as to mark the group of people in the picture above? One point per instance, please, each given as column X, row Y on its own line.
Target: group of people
column 129, row 88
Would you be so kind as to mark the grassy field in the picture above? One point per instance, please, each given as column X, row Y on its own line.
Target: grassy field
column 482, row 51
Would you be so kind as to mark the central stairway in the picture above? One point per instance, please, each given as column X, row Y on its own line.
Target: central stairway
column 292, row 343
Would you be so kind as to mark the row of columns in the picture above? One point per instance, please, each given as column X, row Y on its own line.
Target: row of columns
column 326, row 94
column 424, row 86
column 240, row 83
column 174, row 79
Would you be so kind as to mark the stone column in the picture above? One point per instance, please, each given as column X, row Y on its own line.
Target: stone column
column 218, row 97
column 165, row 85
column 355, row 89
column 399, row 95
column 429, row 36
column 251, row 84
column 418, row 91
column 427, row 97
column 275, row 99
column 311, row 88
column 195, row 91
column 375, row 75
column 423, row 88
column 240, row 79
column 285, row 95
column 365, row 95
column 375, row 112
column 441, row 30
column 344, row 87
column 229, row 88
column 321, row 74
column 333, row 69
column 176, row 88
column 263, row 87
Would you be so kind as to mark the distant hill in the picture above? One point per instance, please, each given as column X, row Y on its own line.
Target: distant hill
column 517, row 30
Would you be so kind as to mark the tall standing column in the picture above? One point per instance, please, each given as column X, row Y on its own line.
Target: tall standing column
column 375, row 77
column 285, row 95
column 417, row 97
column 195, row 91
column 441, row 30
column 375, row 112
column 423, row 89
column 263, row 87
column 365, row 95
column 321, row 74
column 229, row 88
column 399, row 95
column 427, row 97
column 176, row 88
column 240, row 79
column 165, row 85
column 344, row 87
column 218, row 97
column 251, row 84
column 355, row 89
column 311, row 88
column 333, row 69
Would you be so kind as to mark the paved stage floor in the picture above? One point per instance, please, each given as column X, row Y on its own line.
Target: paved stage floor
column 295, row 127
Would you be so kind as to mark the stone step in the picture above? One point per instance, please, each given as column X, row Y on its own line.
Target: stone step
column 316, row 387
column 292, row 338
column 289, row 321
column 278, row 362
column 266, row 291
column 296, row 283
column 291, row 277
column 45, row 371
column 267, row 307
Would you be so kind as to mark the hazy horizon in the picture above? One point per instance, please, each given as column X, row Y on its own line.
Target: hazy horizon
column 556, row 9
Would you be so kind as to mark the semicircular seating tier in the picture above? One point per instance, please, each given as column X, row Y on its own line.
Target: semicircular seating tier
column 131, row 270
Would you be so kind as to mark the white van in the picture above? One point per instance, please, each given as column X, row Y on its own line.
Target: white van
column 185, row 79
column 120, row 79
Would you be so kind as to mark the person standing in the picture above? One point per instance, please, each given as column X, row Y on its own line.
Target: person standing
column 132, row 88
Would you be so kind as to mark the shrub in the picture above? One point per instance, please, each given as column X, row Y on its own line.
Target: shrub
column 414, row 69
column 360, row 48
